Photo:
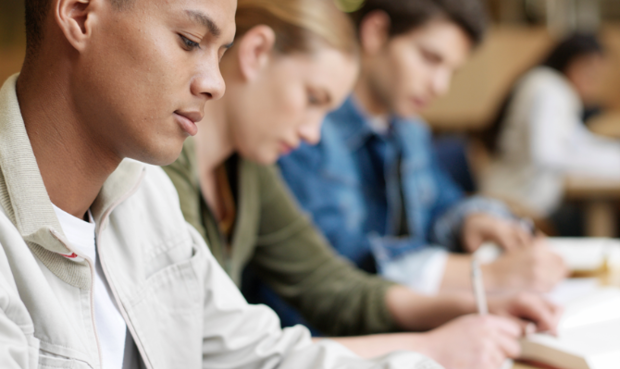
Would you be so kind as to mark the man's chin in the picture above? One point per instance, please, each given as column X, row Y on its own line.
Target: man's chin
column 162, row 156
column 408, row 111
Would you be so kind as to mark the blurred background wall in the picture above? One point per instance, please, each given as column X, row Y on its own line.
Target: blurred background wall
column 12, row 37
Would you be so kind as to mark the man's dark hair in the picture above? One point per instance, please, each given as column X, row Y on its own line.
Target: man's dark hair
column 406, row 15
column 37, row 11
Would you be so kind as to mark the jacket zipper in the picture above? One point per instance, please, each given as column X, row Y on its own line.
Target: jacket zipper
column 121, row 308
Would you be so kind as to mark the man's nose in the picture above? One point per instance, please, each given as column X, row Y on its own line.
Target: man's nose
column 209, row 81
column 441, row 83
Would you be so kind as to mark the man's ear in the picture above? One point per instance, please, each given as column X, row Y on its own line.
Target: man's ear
column 255, row 48
column 75, row 19
column 374, row 32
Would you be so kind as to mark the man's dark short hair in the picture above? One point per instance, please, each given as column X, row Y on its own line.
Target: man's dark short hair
column 406, row 15
column 37, row 11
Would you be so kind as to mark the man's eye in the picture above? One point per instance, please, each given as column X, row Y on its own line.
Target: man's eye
column 432, row 58
column 189, row 44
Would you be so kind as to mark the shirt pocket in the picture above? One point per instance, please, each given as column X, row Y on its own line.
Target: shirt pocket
column 426, row 189
column 418, row 180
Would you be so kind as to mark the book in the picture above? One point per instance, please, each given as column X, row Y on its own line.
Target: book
column 589, row 330
column 588, row 335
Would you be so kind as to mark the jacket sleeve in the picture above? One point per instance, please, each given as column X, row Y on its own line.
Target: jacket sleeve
column 452, row 207
column 243, row 336
column 295, row 260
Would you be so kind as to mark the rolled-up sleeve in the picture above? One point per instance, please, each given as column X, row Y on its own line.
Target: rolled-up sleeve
column 447, row 228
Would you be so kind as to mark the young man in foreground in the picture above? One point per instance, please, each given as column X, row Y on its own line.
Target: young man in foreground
column 372, row 184
column 98, row 269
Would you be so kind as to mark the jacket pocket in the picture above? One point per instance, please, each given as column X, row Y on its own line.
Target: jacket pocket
column 167, row 314
column 175, row 289
column 47, row 361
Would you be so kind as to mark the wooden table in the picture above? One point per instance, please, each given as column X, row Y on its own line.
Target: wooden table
column 610, row 278
column 601, row 198
column 607, row 124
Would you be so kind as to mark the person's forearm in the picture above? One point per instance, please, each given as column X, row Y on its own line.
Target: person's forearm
column 369, row 347
column 415, row 312
column 457, row 273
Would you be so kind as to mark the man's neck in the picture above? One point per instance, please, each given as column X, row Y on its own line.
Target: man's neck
column 73, row 164
column 368, row 99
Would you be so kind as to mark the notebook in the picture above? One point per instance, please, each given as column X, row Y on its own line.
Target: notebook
column 588, row 335
column 589, row 331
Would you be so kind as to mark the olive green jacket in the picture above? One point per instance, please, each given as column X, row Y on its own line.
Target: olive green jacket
column 281, row 244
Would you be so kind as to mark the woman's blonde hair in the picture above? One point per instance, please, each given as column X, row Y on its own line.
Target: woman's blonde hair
column 299, row 25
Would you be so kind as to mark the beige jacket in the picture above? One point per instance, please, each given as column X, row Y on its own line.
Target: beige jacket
column 181, row 309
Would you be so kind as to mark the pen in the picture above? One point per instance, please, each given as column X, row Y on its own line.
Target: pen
column 478, row 285
column 481, row 299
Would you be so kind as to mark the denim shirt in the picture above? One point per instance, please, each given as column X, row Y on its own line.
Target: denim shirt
column 335, row 181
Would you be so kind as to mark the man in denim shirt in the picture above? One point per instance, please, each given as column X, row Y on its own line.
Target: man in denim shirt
column 373, row 185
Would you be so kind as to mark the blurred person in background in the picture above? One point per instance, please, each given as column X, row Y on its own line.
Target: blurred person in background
column 292, row 62
column 373, row 185
column 539, row 136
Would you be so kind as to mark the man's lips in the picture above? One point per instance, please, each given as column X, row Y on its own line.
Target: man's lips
column 420, row 103
column 188, row 120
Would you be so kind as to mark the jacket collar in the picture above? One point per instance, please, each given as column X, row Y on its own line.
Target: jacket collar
column 22, row 191
column 352, row 124
column 347, row 129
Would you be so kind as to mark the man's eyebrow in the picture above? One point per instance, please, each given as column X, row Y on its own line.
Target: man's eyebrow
column 206, row 21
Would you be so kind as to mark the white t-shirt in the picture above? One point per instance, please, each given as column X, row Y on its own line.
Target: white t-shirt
column 110, row 326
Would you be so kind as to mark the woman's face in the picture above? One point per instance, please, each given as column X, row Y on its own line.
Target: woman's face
column 271, row 115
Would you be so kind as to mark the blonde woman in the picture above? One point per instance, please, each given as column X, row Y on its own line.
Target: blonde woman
column 292, row 62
